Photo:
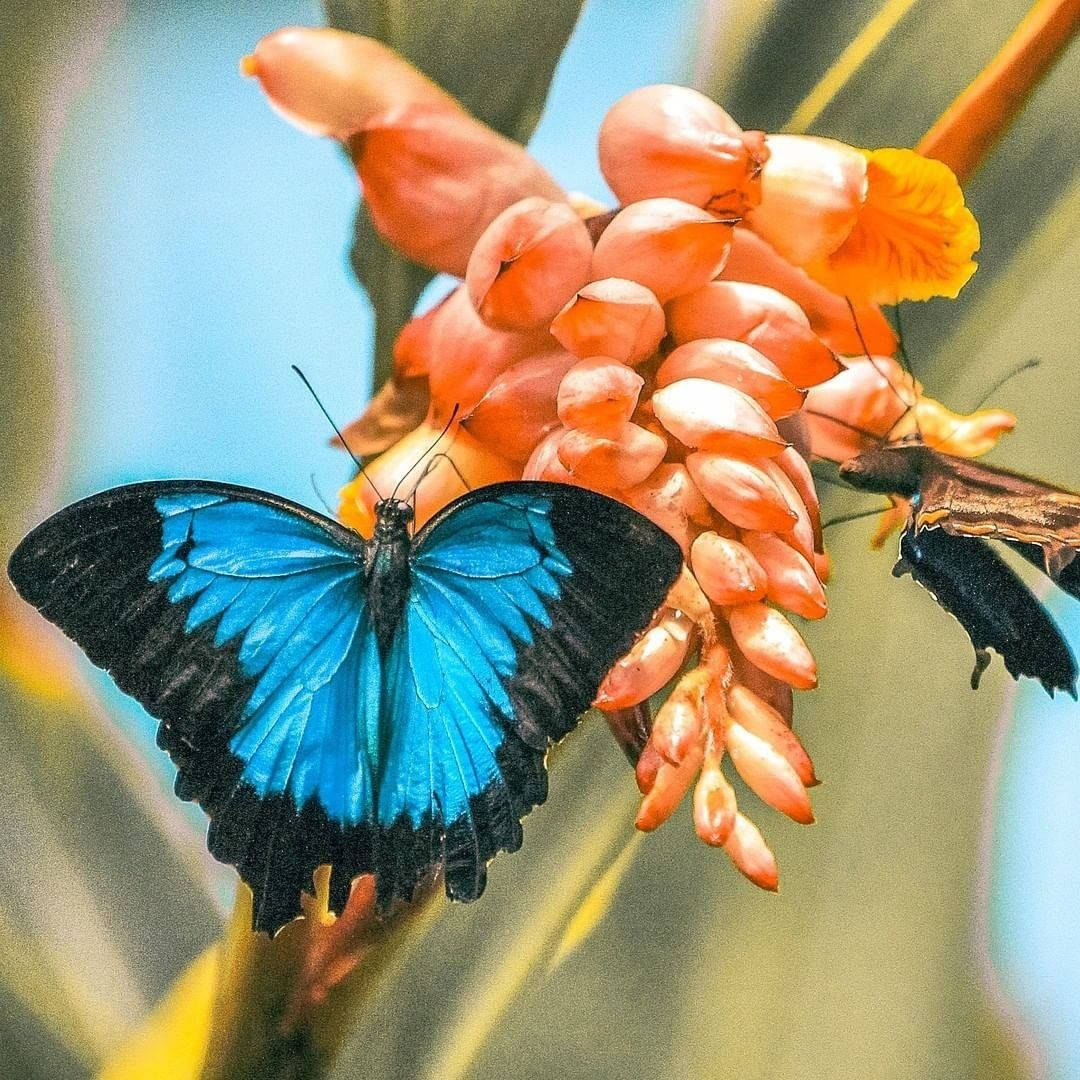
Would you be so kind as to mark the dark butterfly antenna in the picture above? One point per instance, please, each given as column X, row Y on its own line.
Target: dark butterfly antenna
column 453, row 415
column 905, row 360
column 877, row 439
column 858, row 515
column 430, row 466
column 1026, row 365
column 337, row 432
column 319, row 495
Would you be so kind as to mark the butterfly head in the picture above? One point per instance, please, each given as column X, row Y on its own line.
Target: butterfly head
column 888, row 470
column 392, row 515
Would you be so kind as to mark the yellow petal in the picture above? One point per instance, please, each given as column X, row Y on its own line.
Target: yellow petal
column 914, row 237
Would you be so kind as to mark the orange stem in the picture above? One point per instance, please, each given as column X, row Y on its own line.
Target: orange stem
column 973, row 123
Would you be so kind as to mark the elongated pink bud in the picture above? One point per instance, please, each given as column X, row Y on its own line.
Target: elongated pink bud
column 761, row 317
column 748, row 710
column 792, row 582
column 528, row 263
column 673, row 141
column 768, row 640
column 727, row 570
column 710, row 416
column 768, row 774
column 671, row 499
column 467, row 355
column 797, row 470
column 616, row 461
column 519, row 408
column 751, row 855
column 668, row 246
column 598, row 394
column 776, row 693
column 648, row 768
column 743, row 491
column 679, row 724
column 801, row 535
column 687, row 597
column 651, row 663
column 714, row 801
column 668, row 788
column 611, row 317
column 736, row 364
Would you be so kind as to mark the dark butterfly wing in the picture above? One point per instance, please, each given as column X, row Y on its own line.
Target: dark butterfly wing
column 238, row 619
column 998, row 611
column 522, row 597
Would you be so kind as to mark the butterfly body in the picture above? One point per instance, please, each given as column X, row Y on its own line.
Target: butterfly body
column 956, row 504
column 383, row 706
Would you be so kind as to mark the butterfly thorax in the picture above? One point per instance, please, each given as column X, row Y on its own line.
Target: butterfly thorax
column 891, row 470
column 388, row 572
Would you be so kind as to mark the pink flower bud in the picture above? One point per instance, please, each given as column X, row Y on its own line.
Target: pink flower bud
column 673, row 141
column 616, row 461
column 671, row 499
column 797, row 470
column 755, row 715
column 812, row 190
column 773, row 692
column 714, row 802
column 751, row 855
column 727, row 570
column 611, row 317
column 666, row 245
column 686, row 596
column 652, row 662
column 768, row 640
column 743, row 491
column 599, row 394
column 668, row 788
column 792, row 582
column 711, row 416
column 679, row 724
column 648, row 768
column 734, row 364
column 519, row 408
column 761, row 317
column 528, row 263
column 801, row 535
column 768, row 774
column 466, row 355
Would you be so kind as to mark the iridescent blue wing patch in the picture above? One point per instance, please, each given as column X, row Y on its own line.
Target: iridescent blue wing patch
column 239, row 620
column 522, row 597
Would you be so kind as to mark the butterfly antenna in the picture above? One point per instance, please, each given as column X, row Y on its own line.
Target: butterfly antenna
column 1027, row 365
column 337, row 432
column 908, row 406
column 319, row 495
column 453, row 416
column 430, row 466
column 857, row 516
column 877, row 439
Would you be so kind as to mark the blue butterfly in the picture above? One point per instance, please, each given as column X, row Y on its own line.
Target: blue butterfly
column 384, row 706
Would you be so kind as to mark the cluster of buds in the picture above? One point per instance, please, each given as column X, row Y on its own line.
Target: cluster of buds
column 662, row 353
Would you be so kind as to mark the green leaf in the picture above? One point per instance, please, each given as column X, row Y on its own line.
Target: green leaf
column 495, row 56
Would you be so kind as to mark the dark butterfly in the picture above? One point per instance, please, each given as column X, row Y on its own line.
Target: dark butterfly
column 957, row 502
column 384, row 706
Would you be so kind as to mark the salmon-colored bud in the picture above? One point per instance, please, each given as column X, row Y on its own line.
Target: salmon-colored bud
column 679, row 724
column 755, row 715
column 791, row 580
column 331, row 82
column 710, row 416
column 768, row 640
column 668, row 246
column 800, row 535
column 519, row 408
column 615, row 461
column 768, row 774
column 822, row 566
column 673, row 141
column 667, row 791
column 528, row 263
column 774, row 692
column 611, row 317
column 757, row 316
column 671, row 499
column 714, row 801
column 954, row 433
column 743, row 491
column 467, row 355
column 751, row 855
column 404, row 466
column 812, row 190
column 736, row 364
column 797, row 470
column 598, row 394
column 727, row 570
column 755, row 260
column 650, row 664
column 648, row 768
column 866, row 401
column 686, row 596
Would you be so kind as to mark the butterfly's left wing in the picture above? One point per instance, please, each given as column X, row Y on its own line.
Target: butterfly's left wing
column 238, row 619
column 522, row 597
column 998, row 611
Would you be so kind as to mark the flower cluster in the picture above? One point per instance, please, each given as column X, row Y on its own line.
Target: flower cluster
column 664, row 353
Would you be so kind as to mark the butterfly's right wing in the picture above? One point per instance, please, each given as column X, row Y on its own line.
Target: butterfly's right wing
column 239, row 620
column 998, row 611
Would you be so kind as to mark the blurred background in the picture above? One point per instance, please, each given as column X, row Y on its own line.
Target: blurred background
column 169, row 247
